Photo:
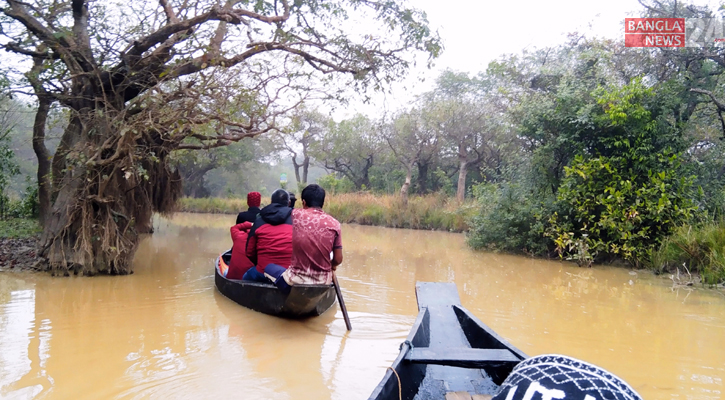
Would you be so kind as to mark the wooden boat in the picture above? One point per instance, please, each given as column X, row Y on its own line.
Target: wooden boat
column 302, row 301
column 449, row 353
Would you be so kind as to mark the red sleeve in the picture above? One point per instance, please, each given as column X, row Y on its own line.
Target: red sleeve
column 238, row 232
column 239, row 235
column 337, row 243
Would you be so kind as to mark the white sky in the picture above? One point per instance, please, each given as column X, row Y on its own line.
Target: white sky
column 476, row 32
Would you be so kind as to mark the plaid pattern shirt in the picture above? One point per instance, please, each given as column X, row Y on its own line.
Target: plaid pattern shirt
column 314, row 235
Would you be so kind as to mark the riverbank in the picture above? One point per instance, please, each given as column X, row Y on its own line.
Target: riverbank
column 18, row 240
column 431, row 212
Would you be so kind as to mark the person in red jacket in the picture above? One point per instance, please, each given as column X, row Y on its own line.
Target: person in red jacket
column 239, row 264
column 270, row 239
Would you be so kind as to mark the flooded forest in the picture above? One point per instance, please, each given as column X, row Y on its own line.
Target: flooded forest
column 574, row 193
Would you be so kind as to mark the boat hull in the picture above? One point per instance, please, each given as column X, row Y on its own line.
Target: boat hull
column 448, row 350
column 302, row 301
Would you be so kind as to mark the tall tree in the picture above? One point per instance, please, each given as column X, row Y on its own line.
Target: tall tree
column 306, row 129
column 410, row 140
column 138, row 78
column 351, row 149
column 465, row 119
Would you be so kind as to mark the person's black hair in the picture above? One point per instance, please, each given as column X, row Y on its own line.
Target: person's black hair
column 292, row 200
column 313, row 195
column 280, row 196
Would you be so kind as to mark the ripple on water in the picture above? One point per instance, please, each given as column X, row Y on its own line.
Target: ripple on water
column 368, row 326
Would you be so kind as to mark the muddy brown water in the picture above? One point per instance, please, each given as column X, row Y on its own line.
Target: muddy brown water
column 165, row 332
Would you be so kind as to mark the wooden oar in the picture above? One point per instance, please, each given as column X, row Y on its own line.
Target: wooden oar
column 341, row 301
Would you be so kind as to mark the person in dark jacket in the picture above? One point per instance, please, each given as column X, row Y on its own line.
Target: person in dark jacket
column 270, row 239
column 253, row 201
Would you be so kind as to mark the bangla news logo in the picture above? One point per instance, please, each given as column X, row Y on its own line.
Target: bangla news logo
column 673, row 32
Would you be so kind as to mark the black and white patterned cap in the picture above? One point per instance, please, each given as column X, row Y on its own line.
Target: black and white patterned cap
column 553, row 376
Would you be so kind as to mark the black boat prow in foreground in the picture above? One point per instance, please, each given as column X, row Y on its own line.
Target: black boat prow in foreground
column 302, row 301
column 448, row 351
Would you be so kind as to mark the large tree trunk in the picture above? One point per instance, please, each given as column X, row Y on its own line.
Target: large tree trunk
column 305, row 169
column 297, row 169
column 462, row 172
column 105, row 198
column 43, row 155
column 39, row 125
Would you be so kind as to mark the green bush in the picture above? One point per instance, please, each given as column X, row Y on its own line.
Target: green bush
column 511, row 219
column 27, row 207
column 627, row 189
column 336, row 185
column 30, row 206
column 614, row 212
column 19, row 228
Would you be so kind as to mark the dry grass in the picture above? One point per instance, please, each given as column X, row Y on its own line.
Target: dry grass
column 212, row 205
column 422, row 212
column 433, row 212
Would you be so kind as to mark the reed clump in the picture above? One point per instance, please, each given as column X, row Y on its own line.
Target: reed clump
column 694, row 249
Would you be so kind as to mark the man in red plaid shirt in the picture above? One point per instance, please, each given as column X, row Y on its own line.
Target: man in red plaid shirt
column 315, row 235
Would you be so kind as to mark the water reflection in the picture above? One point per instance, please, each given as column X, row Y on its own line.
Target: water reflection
column 165, row 332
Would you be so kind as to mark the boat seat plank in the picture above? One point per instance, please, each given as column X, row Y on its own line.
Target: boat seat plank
column 467, row 396
column 458, row 396
column 464, row 357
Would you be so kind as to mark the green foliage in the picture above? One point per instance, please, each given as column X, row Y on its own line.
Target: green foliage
column 697, row 248
column 708, row 167
column 351, row 148
column 445, row 183
column 8, row 168
column 623, row 199
column 336, row 185
column 617, row 213
column 29, row 206
column 511, row 218
column 16, row 118
column 19, row 228
column 557, row 122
